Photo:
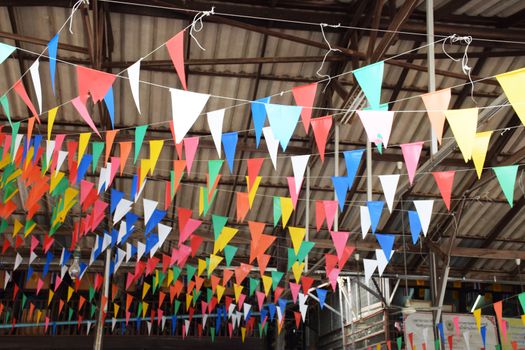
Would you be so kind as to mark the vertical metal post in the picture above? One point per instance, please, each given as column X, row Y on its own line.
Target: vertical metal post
column 431, row 64
column 307, row 214
column 336, row 171
column 103, row 308
column 368, row 170
column 343, row 335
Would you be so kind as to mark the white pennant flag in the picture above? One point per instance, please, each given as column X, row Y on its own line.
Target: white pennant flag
column 32, row 257
column 215, row 121
column 88, row 327
column 140, row 190
column 128, row 252
column 121, row 231
column 382, row 262
column 18, row 141
column 101, row 178
column 63, row 271
column 303, row 308
column 120, row 258
column 50, row 147
column 365, row 220
column 18, row 261
column 134, row 81
column 186, row 107
column 466, row 335
column 163, row 322
column 148, row 323
column 187, row 324
column 279, row 314
column 246, row 307
column 123, row 207
column 113, row 323
column 370, row 267
column 424, row 211
column 299, row 164
column 106, row 242
column 149, row 207
column 231, row 309
column 35, row 77
column 7, row 278
column 389, row 184
column 164, row 231
column 425, row 335
column 273, row 145
column 141, row 249
column 62, row 155
column 204, row 319
column 378, row 125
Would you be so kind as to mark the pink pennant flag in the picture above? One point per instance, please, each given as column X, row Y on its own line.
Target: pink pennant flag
column 320, row 214
column 21, row 91
column 294, row 289
column 291, row 187
column 330, row 209
column 445, row 180
column 175, row 48
column 39, row 284
column 436, row 103
column 321, row 127
column 188, row 229
column 411, row 154
column 456, row 325
column 339, row 239
column 260, row 299
column 82, row 110
column 93, row 82
column 332, row 277
column 304, row 96
column 190, row 148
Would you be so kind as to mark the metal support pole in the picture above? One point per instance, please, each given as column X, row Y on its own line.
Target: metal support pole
column 103, row 308
column 343, row 336
column 307, row 214
column 336, row 171
column 431, row 64
column 368, row 170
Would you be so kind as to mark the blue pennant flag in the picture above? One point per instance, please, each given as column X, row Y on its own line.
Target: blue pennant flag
column 150, row 242
column 272, row 309
column 134, row 185
column 29, row 272
column 49, row 258
column 66, row 254
column 114, row 237
column 283, row 120
column 340, row 187
column 110, row 105
column 52, row 48
column 156, row 217
column 441, row 332
column 116, row 196
column 415, row 225
column 370, row 79
column 83, row 267
column 83, row 166
column 219, row 318
column 321, row 295
column 352, row 160
column 36, row 145
column 173, row 324
column 483, row 331
column 264, row 313
column 386, row 241
column 375, row 208
column 229, row 142
column 282, row 305
column 54, row 325
column 133, row 250
column 259, row 117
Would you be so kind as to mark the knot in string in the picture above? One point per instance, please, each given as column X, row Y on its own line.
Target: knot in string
column 330, row 49
column 197, row 25
column 75, row 7
column 467, row 70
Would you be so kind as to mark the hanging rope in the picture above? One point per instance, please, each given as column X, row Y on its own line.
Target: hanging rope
column 75, row 7
column 330, row 49
column 197, row 25
column 467, row 70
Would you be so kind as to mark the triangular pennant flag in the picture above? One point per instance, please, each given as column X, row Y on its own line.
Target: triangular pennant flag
column 512, row 83
column 190, row 148
column 479, row 150
column 370, row 79
column 186, row 107
column 424, row 211
column 134, row 82
column 35, row 78
column 370, row 266
column 259, row 117
column 175, row 48
column 304, row 96
column 340, row 184
column 378, row 125
column 506, row 176
column 436, row 103
column 93, row 82
column 82, row 110
column 283, row 120
column 352, row 161
column 215, row 121
column 321, row 127
column 415, row 225
column 297, row 235
column 299, row 164
column 386, row 241
column 389, row 185
column 339, row 239
column 229, row 141
column 444, row 181
column 411, row 154
column 365, row 220
column 272, row 144
column 463, row 123
column 321, row 295
column 140, row 132
column 21, row 91
column 254, row 167
column 5, row 51
column 375, row 208
column 155, row 147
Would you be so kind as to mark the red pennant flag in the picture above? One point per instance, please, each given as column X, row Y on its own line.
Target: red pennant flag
column 94, row 82
column 254, row 167
column 278, row 292
column 195, row 243
column 498, row 309
column 330, row 262
column 175, row 48
column 297, row 316
column 306, row 282
column 15, row 290
column 243, row 205
column 6, row 245
column 227, row 275
column 319, row 214
column 321, row 127
column 98, row 281
column 445, row 180
column 21, row 91
column 184, row 216
column 304, row 96
column 346, row 255
column 262, row 262
column 110, row 138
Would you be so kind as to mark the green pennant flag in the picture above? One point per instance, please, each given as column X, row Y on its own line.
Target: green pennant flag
column 3, row 225
column 140, row 132
column 305, row 248
column 5, row 105
column 208, row 202
column 260, row 330
column 91, row 293
column 212, row 333
column 276, row 278
column 93, row 309
column 7, row 314
column 254, row 283
column 229, row 253
column 98, row 147
column 139, row 310
column 70, row 314
column 292, row 258
column 521, row 298
column 176, row 307
column 24, row 300
column 214, row 168
column 176, row 272
column 276, row 210
column 399, row 341
column 266, row 328
column 209, row 294
column 507, row 179
column 437, row 344
column 498, row 347
column 196, row 296
column 162, row 276
column 14, row 131
column 154, row 284
column 218, row 223
column 190, row 271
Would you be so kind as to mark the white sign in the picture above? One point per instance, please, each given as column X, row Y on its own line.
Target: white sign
column 515, row 332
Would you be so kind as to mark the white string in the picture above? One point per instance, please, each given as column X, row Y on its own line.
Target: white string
column 197, row 25
column 75, row 7
column 467, row 70
column 330, row 49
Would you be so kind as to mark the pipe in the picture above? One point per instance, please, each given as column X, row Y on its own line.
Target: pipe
column 307, row 215
column 431, row 65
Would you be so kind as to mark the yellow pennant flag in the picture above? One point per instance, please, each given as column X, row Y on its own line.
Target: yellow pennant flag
column 70, row 291
column 512, row 84
column 201, row 266
column 155, row 147
column 189, row 298
column 253, row 190
column 477, row 317
column 378, row 346
column 463, row 123
column 215, row 260
column 479, row 150
column 170, row 277
column 237, row 290
column 29, row 230
column 280, row 326
column 286, row 209
column 243, row 333
column 116, row 307
column 51, row 294
column 38, row 315
column 83, row 141
column 144, row 308
column 145, row 288
column 297, row 270
column 523, row 319
column 267, row 284
column 220, row 292
column 55, row 180
column 51, row 120
column 201, row 201
column 16, row 227
column 297, row 235
column 224, row 238
column 145, row 166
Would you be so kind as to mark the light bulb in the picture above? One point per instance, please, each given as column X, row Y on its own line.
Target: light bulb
column 74, row 269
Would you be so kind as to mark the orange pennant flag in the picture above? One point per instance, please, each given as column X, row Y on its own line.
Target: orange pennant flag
column 110, row 137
